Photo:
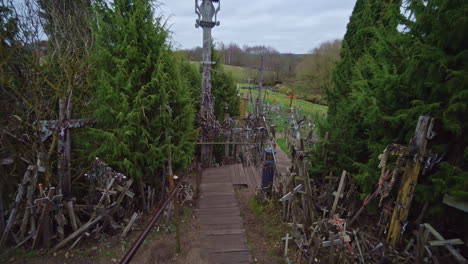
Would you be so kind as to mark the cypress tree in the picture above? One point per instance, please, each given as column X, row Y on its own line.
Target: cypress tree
column 388, row 77
column 140, row 93
column 224, row 89
column 436, row 71
column 357, row 99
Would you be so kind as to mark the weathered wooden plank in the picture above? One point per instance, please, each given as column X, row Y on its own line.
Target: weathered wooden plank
column 220, row 220
column 450, row 248
column 227, row 211
column 231, row 257
column 236, row 231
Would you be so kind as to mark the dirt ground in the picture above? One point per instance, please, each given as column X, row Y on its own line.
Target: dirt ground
column 159, row 247
column 264, row 230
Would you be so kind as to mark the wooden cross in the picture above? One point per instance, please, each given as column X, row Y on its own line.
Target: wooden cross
column 291, row 97
column 43, row 223
column 286, row 242
column 260, row 84
column 339, row 223
column 338, row 193
column 62, row 126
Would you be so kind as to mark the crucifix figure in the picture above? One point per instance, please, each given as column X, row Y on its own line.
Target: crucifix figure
column 62, row 127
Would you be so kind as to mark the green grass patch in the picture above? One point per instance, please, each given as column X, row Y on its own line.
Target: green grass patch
column 305, row 109
column 283, row 145
column 269, row 214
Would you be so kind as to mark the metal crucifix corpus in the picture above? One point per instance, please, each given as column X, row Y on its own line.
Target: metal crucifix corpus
column 207, row 19
column 62, row 126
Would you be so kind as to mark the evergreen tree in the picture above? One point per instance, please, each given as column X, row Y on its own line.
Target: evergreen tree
column 388, row 77
column 140, row 92
column 224, row 89
column 436, row 72
column 361, row 80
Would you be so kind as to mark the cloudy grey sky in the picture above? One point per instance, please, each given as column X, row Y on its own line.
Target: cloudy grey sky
column 295, row 26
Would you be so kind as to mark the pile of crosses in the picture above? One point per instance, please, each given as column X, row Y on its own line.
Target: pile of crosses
column 41, row 217
column 330, row 223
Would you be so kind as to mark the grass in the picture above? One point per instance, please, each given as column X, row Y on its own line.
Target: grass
column 239, row 74
column 305, row 109
column 270, row 217
column 283, row 145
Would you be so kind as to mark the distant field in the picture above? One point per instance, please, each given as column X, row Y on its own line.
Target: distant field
column 307, row 109
column 240, row 74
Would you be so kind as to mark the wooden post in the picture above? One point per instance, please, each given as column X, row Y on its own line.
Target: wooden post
column 71, row 214
column 175, row 202
column 64, row 146
column 409, row 181
column 331, row 252
column 338, row 192
column 29, row 203
column 2, row 216
column 15, row 207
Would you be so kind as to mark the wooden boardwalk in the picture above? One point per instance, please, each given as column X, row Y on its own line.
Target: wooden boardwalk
column 223, row 238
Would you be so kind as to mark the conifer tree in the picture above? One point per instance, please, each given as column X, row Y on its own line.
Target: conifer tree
column 141, row 96
column 388, row 77
column 224, row 89
column 436, row 71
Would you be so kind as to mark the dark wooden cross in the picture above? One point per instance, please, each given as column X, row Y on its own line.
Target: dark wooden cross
column 260, row 69
column 43, row 233
column 62, row 127
column 291, row 97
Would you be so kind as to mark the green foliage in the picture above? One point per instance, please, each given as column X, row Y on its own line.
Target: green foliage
column 140, row 93
column 224, row 89
column 386, row 78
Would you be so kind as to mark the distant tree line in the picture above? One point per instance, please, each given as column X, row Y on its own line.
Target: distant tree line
column 281, row 66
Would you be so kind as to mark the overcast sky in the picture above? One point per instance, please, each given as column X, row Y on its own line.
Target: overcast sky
column 295, row 26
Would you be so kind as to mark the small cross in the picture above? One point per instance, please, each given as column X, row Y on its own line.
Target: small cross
column 286, row 241
column 339, row 223
column 291, row 97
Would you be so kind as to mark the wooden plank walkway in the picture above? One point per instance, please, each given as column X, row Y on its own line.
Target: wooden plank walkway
column 223, row 238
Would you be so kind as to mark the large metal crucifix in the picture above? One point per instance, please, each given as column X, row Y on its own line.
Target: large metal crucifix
column 207, row 19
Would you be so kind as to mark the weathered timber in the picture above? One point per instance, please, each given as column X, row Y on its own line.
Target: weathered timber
column 338, row 192
column 71, row 215
column 29, row 202
column 78, row 232
column 458, row 257
column 130, row 224
column 16, row 204
column 409, row 181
